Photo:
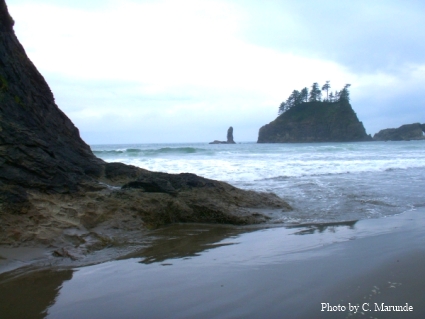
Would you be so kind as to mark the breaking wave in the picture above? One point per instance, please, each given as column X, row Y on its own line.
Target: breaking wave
column 152, row 152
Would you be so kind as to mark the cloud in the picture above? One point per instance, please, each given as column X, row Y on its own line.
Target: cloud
column 179, row 71
column 389, row 101
column 363, row 35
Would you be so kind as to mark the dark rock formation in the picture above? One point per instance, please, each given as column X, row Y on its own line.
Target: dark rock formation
column 229, row 138
column 39, row 146
column 53, row 190
column 405, row 132
column 315, row 122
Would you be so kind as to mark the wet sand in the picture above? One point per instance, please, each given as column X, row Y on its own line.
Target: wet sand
column 204, row 271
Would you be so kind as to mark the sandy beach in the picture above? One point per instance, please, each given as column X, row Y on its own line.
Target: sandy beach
column 342, row 270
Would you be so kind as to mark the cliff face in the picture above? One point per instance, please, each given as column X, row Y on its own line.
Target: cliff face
column 54, row 191
column 39, row 146
column 406, row 132
column 315, row 122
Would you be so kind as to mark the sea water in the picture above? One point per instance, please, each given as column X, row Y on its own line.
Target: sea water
column 361, row 253
column 323, row 182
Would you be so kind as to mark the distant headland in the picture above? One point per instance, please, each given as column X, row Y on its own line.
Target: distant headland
column 405, row 132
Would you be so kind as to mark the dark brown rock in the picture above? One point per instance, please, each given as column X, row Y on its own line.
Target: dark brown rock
column 5, row 19
column 15, row 200
column 39, row 146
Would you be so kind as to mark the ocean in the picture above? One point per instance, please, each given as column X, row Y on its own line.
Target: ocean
column 323, row 182
column 354, row 240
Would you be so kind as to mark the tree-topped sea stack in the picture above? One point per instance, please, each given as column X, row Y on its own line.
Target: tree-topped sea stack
column 305, row 117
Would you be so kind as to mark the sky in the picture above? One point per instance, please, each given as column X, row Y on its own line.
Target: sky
column 168, row 71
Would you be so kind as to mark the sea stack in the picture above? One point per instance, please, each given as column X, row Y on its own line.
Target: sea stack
column 229, row 138
column 315, row 121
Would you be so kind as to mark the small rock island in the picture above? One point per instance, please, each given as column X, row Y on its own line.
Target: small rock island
column 405, row 132
column 229, row 138
column 306, row 118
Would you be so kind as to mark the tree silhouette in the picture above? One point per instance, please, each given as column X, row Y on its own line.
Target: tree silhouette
column 304, row 95
column 315, row 93
column 282, row 108
column 326, row 88
column 344, row 95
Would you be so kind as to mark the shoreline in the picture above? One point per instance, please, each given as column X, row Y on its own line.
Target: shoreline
column 40, row 256
column 383, row 268
column 296, row 269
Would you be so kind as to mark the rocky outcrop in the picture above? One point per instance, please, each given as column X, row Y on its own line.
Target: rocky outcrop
column 121, row 212
column 39, row 146
column 54, row 191
column 315, row 122
column 406, row 132
column 229, row 138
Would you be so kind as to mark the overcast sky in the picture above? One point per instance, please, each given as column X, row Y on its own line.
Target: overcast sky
column 185, row 70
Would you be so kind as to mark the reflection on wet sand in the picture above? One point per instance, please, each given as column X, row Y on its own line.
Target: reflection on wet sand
column 116, row 284
column 29, row 295
column 189, row 240
column 186, row 241
column 322, row 227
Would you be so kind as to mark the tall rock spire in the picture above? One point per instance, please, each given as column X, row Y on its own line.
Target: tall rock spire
column 230, row 136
